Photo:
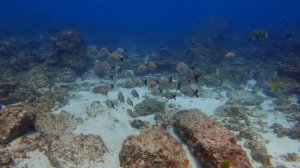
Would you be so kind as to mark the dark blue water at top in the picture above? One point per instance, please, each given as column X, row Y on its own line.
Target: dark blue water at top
column 106, row 21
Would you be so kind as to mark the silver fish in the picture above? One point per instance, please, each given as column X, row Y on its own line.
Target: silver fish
column 166, row 83
column 152, row 84
column 134, row 93
column 121, row 97
column 188, row 91
column 110, row 104
column 169, row 95
column 156, row 91
column 129, row 102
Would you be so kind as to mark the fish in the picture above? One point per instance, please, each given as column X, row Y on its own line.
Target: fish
column 152, row 84
column 110, row 104
column 193, row 76
column 121, row 97
column 134, row 93
column 138, row 82
column 156, row 91
column 0, row 107
column 188, row 91
column 166, row 83
column 178, row 87
column 229, row 55
column 259, row 35
column 113, row 57
column 129, row 101
column 169, row 95
column 145, row 82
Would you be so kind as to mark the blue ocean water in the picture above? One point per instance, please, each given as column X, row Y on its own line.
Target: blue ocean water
column 147, row 22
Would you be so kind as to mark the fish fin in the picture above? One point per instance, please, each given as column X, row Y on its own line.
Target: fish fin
column 122, row 59
column 174, row 96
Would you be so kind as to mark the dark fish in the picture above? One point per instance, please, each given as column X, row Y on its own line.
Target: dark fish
column 0, row 107
column 145, row 82
column 259, row 35
column 188, row 91
column 121, row 97
column 178, row 85
column 134, row 93
column 169, row 95
column 129, row 101
column 110, row 104
column 298, row 101
column 116, row 68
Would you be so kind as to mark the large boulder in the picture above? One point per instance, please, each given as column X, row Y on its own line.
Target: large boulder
column 212, row 143
column 70, row 50
column 16, row 121
column 153, row 148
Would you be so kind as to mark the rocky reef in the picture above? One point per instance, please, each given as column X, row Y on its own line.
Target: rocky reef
column 16, row 121
column 212, row 143
column 70, row 50
column 153, row 148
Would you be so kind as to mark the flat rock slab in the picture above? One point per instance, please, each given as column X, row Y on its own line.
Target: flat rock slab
column 153, row 148
column 15, row 121
column 71, row 150
column 212, row 144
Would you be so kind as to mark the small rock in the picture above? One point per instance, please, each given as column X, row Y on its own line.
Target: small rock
column 148, row 106
column 140, row 124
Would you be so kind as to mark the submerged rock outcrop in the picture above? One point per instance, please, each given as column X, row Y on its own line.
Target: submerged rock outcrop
column 153, row 148
column 212, row 143
column 16, row 121
column 70, row 50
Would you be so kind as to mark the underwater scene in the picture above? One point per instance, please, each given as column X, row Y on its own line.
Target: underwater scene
column 149, row 84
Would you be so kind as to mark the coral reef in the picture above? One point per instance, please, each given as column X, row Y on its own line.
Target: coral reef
column 51, row 125
column 6, row 158
column 70, row 50
column 67, row 75
column 244, row 97
column 212, row 143
column 7, row 50
column 71, row 150
column 153, row 148
column 259, row 153
column 39, row 77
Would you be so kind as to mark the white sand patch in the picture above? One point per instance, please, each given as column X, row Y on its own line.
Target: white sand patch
column 206, row 105
column 281, row 146
column 113, row 125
